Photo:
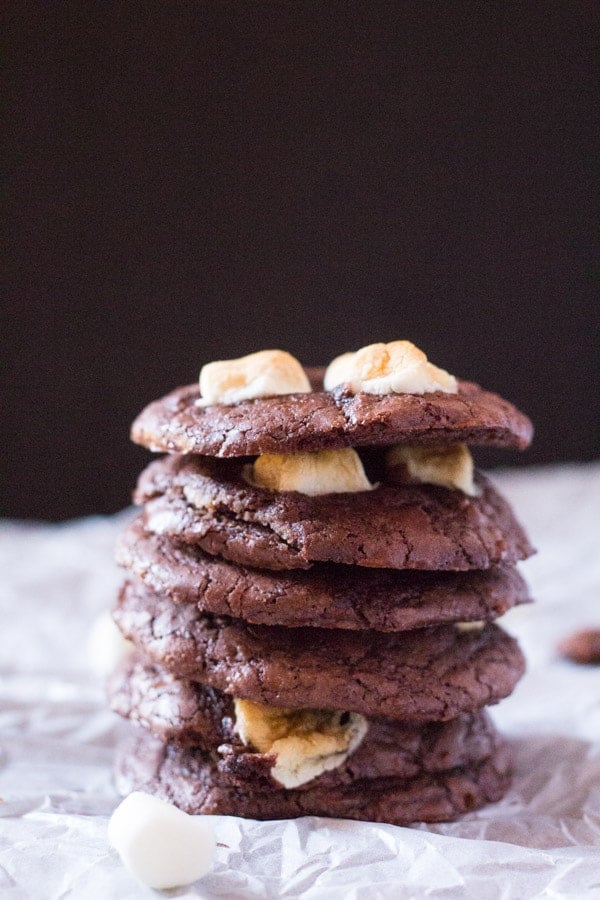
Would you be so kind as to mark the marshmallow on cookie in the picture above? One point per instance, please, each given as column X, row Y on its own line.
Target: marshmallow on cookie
column 395, row 368
column 450, row 467
column 263, row 374
column 321, row 472
column 305, row 742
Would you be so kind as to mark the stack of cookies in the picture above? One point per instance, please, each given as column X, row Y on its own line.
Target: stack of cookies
column 311, row 588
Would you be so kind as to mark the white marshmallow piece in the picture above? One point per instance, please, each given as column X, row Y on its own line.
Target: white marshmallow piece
column 263, row 374
column 106, row 646
column 306, row 742
column 395, row 368
column 319, row 472
column 470, row 626
column 159, row 844
column 451, row 467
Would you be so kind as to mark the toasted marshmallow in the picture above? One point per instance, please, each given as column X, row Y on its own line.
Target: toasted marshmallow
column 322, row 472
column 395, row 368
column 305, row 742
column 263, row 374
column 450, row 467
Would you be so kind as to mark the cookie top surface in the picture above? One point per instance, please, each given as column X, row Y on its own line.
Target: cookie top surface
column 327, row 420
column 207, row 502
column 195, row 715
column 192, row 781
column 327, row 596
column 432, row 674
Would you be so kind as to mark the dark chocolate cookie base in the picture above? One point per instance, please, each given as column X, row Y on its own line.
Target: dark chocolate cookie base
column 327, row 596
column 191, row 780
column 429, row 674
column 208, row 503
column 192, row 715
column 327, row 420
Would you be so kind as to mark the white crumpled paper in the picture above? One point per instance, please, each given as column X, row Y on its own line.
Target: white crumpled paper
column 57, row 740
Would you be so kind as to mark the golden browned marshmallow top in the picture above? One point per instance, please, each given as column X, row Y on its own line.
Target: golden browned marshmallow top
column 395, row 368
column 321, row 472
column 263, row 374
column 450, row 467
column 306, row 742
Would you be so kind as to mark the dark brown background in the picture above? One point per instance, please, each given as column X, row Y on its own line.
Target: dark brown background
column 193, row 181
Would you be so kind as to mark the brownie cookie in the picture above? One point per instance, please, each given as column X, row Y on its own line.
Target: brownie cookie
column 172, row 708
column 389, row 750
column 329, row 419
column 328, row 596
column 194, row 715
column 209, row 503
column 192, row 781
column 429, row 674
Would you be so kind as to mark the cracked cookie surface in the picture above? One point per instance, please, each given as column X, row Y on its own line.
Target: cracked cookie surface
column 429, row 674
column 207, row 502
column 329, row 419
column 194, row 715
column 326, row 596
column 192, row 781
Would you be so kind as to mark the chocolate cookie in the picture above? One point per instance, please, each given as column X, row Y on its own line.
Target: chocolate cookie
column 191, row 780
column 194, row 715
column 172, row 708
column 209, row 503
column 389, row 750
column 429, row 674
column 329, row 419
column 328, row 596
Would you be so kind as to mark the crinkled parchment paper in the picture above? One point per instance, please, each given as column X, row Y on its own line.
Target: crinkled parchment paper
column 57, row 740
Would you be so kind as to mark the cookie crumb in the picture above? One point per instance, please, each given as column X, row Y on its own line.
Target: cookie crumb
column 582, row 647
